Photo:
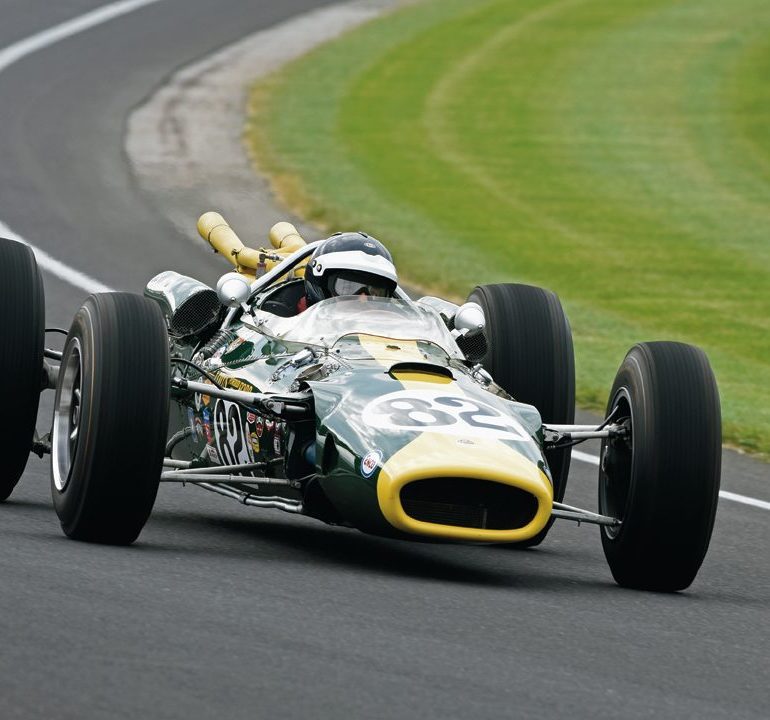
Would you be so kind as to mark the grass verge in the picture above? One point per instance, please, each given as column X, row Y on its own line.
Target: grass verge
column 616, row 153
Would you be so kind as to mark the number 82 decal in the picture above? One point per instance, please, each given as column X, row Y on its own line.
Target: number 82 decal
column 232, row 434
column 426, row 410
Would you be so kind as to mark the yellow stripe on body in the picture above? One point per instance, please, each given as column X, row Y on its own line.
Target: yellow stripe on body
column 406, row 377
column 388, row 352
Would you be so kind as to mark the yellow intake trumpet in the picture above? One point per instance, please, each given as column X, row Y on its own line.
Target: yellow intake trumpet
column 253, row 262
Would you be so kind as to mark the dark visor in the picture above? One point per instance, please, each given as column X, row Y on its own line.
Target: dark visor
column 359, row 284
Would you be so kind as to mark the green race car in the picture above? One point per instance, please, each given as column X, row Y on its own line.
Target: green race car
column 418, row 420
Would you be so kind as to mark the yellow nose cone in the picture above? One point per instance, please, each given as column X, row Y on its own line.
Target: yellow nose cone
column 434, row 456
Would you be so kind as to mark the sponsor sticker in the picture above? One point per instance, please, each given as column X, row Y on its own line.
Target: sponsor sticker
column 277, row 444
column 213, row 454
column 269, row 425
column 251, row 418
column 233, row 383
column 370, row 462
column 260, row 427
column 200, row 435
column 207, row 425
column 254, row 442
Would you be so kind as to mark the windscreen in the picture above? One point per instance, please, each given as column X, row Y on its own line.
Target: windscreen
column 326, row 322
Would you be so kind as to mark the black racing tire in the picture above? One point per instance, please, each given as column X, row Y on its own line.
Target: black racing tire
column 110, row 418
column 530, row 355
column 662, row 481
column 22, row 319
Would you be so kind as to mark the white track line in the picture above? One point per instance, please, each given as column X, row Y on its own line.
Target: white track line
column 56, row 267
column 28, row 46
column 585, row 457
column 743, row 499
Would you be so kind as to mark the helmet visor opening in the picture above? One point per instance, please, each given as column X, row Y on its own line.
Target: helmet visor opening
column 357, row 283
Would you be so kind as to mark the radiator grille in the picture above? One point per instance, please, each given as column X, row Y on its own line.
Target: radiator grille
column 468, row 502
column 195, row 314
column 475, row 347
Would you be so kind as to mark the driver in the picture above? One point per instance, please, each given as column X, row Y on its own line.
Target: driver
column 350, row 263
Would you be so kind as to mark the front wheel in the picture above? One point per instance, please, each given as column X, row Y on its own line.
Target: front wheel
column 22, row 317
column 530, row 355
column 110, row 418
column 662, row 479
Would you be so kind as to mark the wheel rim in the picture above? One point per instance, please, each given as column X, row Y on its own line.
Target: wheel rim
column 67, row 416
column 616, row 466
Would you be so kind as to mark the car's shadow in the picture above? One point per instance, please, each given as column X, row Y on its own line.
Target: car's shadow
column 300, row 541
column 556, row 566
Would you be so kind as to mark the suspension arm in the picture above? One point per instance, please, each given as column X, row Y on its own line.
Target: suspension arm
column 558, row 435
column 568, row 512
column 292, row 406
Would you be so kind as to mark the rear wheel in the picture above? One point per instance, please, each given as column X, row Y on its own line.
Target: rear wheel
column 530, row 355
column 110, row 418
column 22, row 318
column 662, row 480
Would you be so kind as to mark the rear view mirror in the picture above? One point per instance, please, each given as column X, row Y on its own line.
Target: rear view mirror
column 233, row 289
column 469, row 319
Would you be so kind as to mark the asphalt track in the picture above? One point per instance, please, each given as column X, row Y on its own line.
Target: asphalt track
column 221, row 610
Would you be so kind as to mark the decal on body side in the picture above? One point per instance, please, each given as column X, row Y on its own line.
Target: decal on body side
column 231, row 433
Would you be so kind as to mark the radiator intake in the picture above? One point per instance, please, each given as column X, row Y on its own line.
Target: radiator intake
column 468, row 502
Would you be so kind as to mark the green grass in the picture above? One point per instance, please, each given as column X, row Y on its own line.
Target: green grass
column 617, row 152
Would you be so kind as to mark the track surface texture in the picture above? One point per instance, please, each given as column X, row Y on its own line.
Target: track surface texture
column 221, row 610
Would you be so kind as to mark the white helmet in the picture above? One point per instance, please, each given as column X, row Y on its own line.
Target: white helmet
column 351, row 263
